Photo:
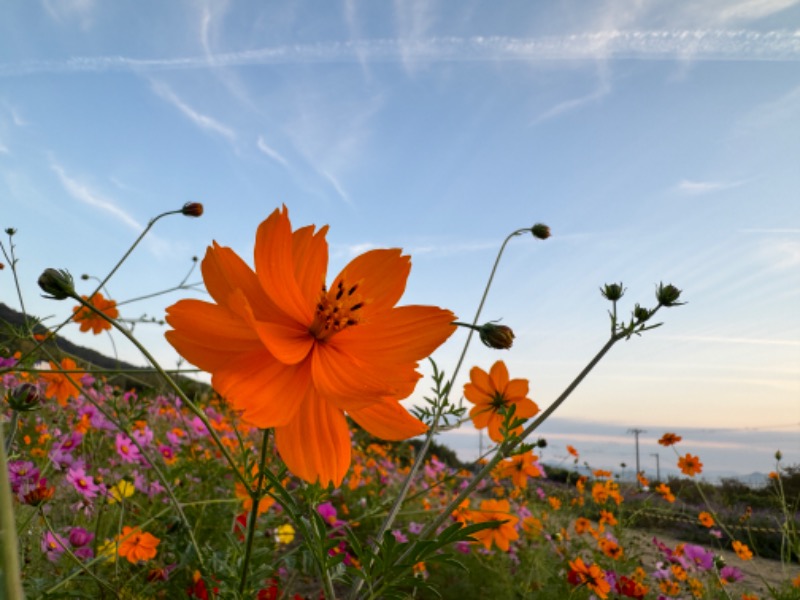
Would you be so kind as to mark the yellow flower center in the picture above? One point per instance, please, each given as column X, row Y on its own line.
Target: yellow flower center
column 336, row 310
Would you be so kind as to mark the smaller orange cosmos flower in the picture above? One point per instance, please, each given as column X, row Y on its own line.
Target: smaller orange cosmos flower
column 491, row 393
column 136, row 545
column 519, row 468
column 592, row 577
column 690, row 465
column 89, row 319
column 669, row 439
column 572, row 451
column 663, row 490
column 502, row 534
column 742, row 551
column 706, row 520
column 59, row 385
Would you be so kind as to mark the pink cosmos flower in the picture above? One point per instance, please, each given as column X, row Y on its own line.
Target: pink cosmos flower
column 83, row 483
column 53, row 546
column 126, row 450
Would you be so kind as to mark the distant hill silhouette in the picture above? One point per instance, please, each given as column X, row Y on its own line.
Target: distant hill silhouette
column 12, row 320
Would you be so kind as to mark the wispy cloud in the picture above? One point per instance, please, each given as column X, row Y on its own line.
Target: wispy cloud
column 637, row 45
column 602, row 90
column 82, row 192
column 203, row 121
column 271, row 152
column 695, row 188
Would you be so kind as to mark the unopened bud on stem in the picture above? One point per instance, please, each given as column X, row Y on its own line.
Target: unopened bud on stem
column 540, row 231
column 58, row 283
column 495, row 336
column 667, row 295
column 192, row 209
column 612, row 291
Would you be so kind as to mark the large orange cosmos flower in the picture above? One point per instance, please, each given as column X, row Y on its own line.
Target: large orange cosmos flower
column 88, row 319
column 490, row 392
column 295, row 355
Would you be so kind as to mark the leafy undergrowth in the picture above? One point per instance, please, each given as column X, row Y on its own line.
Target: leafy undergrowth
column 98, row 478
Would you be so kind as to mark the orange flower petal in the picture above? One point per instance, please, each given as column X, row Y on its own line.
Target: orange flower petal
column 381, row 276
column 480, row 416
column 207, row 335
column 310, row 254
column 354, row 384
column 481, row 385
column 388, row 421
column 289, row 344
column 315, row 445
column 499, row 376
column 403, row 334
column 269, row 392
column 224, row 271
column 525, row 408
column 275, row 267
column 516, row 389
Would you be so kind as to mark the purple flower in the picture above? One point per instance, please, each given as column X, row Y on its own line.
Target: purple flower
column 78, row 537
column 126, row 450
column 399, row 537
column 83, row 483
column 328, row 513
column 730, row 574
column 53, row 546
column 22, row 473
column 699, row 557
column 144, row 436
column 414, row 528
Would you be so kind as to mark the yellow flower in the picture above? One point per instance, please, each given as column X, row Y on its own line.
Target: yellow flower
column 284, row 534
column 108, row 550
column 123, row 489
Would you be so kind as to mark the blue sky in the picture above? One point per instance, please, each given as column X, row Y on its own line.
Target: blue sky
column 658, row 141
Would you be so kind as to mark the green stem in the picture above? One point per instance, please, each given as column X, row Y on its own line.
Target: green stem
column 12, row 583
column 255, row 496
column 12, row 434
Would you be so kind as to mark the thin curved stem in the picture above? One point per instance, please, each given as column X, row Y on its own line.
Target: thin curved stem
column 255, row 497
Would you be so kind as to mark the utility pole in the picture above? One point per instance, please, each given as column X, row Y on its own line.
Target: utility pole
column 636, row 433
column 658, row 466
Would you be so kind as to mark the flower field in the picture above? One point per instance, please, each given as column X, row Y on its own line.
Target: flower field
column 293, row 478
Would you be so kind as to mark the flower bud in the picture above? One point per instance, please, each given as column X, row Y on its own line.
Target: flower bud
column 667, row 295
column 778, row 455
column 58, row 283
column 612, row 291
column 540, row 231
column 641, row 314
column 541, row 443
column 11, row 231
column 192, row 209
column 24, row 397
column 499, row 337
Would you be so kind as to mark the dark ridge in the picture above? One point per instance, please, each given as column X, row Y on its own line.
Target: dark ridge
column 13, row 322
